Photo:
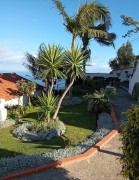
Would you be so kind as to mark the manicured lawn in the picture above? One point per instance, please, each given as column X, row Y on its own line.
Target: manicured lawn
column 79, row 125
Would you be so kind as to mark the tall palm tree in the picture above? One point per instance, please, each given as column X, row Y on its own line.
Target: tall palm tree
column 90, row 19
column 74, row 62
column 86, row 37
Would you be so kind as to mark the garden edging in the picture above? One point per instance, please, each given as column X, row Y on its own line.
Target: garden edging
column 69, row 160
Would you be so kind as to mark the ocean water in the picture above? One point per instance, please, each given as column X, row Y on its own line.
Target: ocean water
column 60, row 83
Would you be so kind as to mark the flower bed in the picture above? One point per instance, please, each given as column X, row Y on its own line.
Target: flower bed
column 8, row 165
column 25, row 132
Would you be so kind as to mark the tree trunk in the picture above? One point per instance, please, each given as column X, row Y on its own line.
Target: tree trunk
column 46, row 85
column 73, row 41
column 62, row 97
column 72, row 46
column 51, row 87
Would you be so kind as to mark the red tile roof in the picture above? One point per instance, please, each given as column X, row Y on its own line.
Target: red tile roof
column 8, row 88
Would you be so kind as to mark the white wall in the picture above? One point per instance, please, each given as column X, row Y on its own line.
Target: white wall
column 15, row 101
column 122, row 72
column 134, row 79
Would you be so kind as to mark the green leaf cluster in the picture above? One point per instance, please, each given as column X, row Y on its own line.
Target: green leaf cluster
column 48, row 103
column 135, row 92
column 130, row 141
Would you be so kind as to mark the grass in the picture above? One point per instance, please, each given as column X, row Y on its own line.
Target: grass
column 79, row 125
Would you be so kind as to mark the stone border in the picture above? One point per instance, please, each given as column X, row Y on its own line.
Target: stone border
column 69, row 160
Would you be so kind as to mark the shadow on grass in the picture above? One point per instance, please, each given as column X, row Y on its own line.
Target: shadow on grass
column 7, row 153
column 55, row 143
column 76, row 116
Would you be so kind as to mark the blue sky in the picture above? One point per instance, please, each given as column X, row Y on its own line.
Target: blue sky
column 25, row 24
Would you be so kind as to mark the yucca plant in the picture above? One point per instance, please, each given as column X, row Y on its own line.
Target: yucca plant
column 74, row 65
column 48, row 104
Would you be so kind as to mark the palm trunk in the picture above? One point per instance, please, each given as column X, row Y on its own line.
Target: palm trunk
column 62, row 97
column 46, row 85
column 73, row 41
column 29, row 101
column 51, row 87
column 72, row 46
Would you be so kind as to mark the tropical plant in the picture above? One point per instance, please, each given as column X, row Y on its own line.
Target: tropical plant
column 135, row 92
column 26, row 88
column 51, row 60
column 48, row 65
column 74, row 63
column 48, row 104
column 110, row 92
column 98, row 101
column 130, row 144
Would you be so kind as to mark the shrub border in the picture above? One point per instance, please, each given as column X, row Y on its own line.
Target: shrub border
column 69, row 160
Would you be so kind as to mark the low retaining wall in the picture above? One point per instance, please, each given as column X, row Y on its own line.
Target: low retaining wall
column 69, row 160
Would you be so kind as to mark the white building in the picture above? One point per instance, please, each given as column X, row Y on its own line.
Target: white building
column 123, row 74
column 134, row 78
column 9, row 91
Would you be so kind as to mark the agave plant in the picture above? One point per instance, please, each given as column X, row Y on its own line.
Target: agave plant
column 48, row 104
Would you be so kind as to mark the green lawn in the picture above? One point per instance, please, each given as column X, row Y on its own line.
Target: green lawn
column 79, row 125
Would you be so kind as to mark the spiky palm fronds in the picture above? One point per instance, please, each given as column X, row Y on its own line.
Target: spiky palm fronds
column 48, row 104
column 75, row 59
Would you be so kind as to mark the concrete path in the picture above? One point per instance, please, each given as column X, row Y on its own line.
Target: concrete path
column 104, row 165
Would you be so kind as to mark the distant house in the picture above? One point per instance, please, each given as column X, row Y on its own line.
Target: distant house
column 134, row 78
column 123, row 74
column 9, row 91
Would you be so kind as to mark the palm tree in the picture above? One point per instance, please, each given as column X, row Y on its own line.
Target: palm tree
column 74, row 62
column 26, row 88
column 107, row 40
column 85, row 20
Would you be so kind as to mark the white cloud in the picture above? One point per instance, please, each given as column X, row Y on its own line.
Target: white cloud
column 9, row 57
column 93, row 64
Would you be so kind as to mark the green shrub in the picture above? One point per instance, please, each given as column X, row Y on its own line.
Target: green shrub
column 48, row 105
column 135, row 92
column 130, row 141
column 13, row 112
column 98, row 100
column 110, row 92
column 39, row 126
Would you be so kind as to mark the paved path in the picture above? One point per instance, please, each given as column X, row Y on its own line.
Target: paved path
column 104, row 165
